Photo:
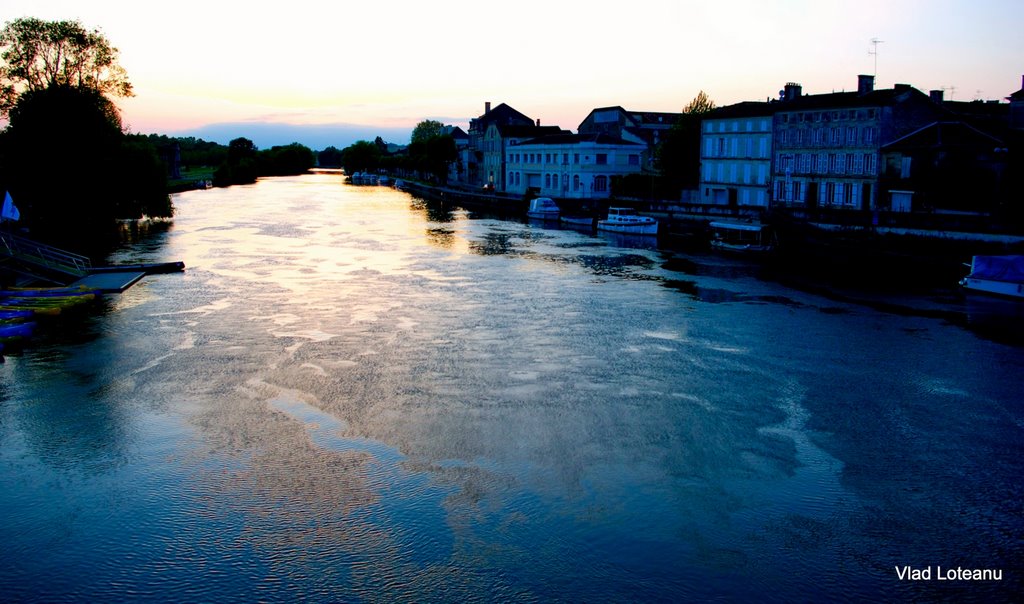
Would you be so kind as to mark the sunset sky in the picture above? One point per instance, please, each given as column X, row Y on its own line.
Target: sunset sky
column 387, row 65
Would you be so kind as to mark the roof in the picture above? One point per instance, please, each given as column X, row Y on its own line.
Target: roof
column 744, row 109
column 839, row 100
column 523, row 131
column 502, row 115
column 944, row 135
column 568, row 138
column 640, row 119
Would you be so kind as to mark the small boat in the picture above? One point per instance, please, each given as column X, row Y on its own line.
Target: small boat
column 741, row 237
column 999, row 275
column 543, row 208
column 16, row 330
column 398, row 184
column 384, row 180
column 627, row 221
column 586, row 222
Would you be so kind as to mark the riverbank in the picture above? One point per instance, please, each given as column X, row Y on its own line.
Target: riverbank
column 850, row 255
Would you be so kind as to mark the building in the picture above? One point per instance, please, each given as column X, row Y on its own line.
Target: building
column 502, row 115
column 1017, row 108
column 736, row 155
column 645, row 127
column 826, row 147
column 496, row 143
column 946, row 165
column 578, row 166
column 458, row 169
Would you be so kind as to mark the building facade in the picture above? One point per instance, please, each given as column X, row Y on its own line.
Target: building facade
column 826, row 147
column 648, row 128
column 736, row 156
column 502, row 115
column 496, row 145
column 575, row 166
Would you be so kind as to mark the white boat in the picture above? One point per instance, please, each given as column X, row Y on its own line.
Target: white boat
column 544, row 208
column 741, row 237
column 1000, row 275
column 626, row 220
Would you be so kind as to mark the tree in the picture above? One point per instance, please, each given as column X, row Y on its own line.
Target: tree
column 426, row 130
column 240, row 167
column 678, row 156
column 71, row 168
column 700, row 104
column 285, row 160
column 361, row 156
column 38, row 54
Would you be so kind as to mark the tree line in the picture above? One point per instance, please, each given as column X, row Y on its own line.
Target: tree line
column 65, row 156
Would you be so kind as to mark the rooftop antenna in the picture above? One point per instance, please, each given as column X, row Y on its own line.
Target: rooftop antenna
column 874, row 51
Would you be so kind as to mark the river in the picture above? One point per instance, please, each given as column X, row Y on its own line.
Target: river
column 353, row 395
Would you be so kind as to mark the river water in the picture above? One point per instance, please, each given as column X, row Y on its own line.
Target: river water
column 350, row 395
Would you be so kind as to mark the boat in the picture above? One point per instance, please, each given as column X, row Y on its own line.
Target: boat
column 398, row 184
column 741, row 237
column 586, row 222
column 999, row 275
column 543, row 208
column 384, row 180
column 627, row 221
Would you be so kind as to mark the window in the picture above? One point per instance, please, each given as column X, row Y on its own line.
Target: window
column 834, row 136
column 869, row 136
column 575, row 158
column 565, row 158
column 547, row 158
column 601, row 183
column 841, row 164
column 831, row 163
column 851, row 135
column 517, row 179
column 634, row 159
column 869, row 163
column 780, row 190
column 576, row 181
column 830, row 192
column 721, row 147
column 511, row 178
column 547, row 181
column 602, row 159
column 798, row 191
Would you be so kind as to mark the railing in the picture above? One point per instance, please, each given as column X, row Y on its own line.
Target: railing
column 43, row 255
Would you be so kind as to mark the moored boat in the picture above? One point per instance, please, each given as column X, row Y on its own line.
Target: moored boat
column 627, row 221
column 998, row 275
column 543, row 208
column 741, row 237
column 578, row 221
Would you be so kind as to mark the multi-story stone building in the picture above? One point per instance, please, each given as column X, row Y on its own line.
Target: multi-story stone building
column 736, row 155
column 576, row 166
column 826, row 147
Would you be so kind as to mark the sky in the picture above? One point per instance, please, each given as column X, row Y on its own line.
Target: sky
column 331, row 72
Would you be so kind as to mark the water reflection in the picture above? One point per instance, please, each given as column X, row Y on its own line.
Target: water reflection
column 354, row 396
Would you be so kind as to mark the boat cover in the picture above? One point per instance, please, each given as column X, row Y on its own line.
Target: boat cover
column 998, row 268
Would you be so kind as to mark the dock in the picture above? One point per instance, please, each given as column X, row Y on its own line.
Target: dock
column 109, row 282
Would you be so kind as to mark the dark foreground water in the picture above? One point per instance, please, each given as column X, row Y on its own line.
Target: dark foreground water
column 350, row 396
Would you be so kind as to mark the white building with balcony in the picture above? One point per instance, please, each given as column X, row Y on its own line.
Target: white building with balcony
column 574, row 166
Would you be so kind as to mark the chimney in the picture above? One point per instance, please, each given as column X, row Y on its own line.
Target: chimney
column 487, row 107
column 792, row 91
column 538, row 122
column 936, row 95
column 865, row 84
